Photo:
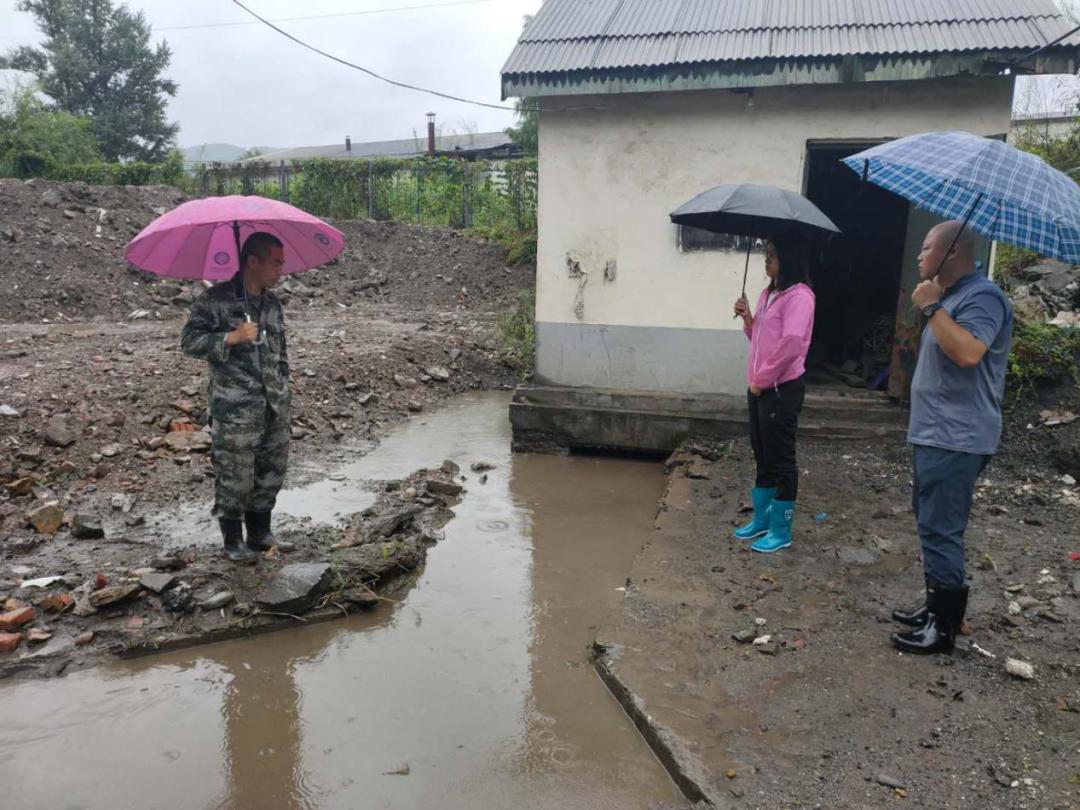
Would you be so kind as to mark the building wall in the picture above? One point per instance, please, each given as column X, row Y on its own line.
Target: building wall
column 618, row 304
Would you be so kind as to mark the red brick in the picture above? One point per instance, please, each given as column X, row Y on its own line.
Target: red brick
column 16, row 618
column 9, row 641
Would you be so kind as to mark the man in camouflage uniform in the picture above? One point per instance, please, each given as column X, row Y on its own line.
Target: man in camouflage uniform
column 242, row 336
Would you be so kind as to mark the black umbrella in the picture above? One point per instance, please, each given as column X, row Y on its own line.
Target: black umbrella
column 746, row 209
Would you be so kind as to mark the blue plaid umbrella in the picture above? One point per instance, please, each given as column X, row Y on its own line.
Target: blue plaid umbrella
column 1002, row 193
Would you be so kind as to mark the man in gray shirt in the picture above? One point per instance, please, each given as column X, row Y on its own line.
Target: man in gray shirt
column 955, row 424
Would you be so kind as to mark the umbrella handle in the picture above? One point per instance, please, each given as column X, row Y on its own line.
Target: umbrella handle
column 746, row 269
column 262, row 334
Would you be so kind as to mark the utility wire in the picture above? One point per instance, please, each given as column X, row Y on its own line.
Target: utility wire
column 196, row 26
column 369, row 72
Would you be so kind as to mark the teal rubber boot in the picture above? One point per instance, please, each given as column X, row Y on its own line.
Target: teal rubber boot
column 779, row 536
column 762, row 498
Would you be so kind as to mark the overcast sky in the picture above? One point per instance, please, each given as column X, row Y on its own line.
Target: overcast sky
column 248, row 85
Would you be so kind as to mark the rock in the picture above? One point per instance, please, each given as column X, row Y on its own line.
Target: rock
column 1068, row 480
column 1019, row 669
column 196, row 441
column 361, row 597
column 113, row 594
column 1027, row 602
column 179, row 599
column 438, row 373
column 36, row 635
column 449, row 488
column 21, row 570
column 157, row 582
column 217, row 601
column 889, row 781
column 111, row 450
column 168, row 290
column 1015, row 609
column 365, row 399
column 1052, row 418
column 698, row 471
column 9, row 641
column 8, row 411
column 83, row 639
column 858, row 555
column 47, row 519
column 450, row 468
column 168, row 563
column 405, row 382
column 13, row 619
column 1076, row 582
column 51, row 198
column 415, row 405
column 20, row 487
column 60, row 432
column 1030, row 308
column 295, row 587
column 454, row 355
column 122, row 502
column 482, row 466
column 87, row 527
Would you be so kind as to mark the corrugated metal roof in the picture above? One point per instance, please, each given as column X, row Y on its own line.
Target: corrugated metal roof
column 406, row 147
column 575, row 35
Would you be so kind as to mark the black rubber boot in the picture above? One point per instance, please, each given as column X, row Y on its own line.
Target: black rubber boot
column 945, row 615
column 916, row 617
column 259, row 537
column 233, row 533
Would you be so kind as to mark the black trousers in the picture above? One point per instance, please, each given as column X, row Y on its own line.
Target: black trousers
column 774, row 421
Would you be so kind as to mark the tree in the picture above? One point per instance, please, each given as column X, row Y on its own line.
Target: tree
column 35, row 139
column 97, row 61
column 527, row 132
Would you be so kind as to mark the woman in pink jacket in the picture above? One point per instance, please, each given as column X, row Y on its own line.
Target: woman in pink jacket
column 779, row 332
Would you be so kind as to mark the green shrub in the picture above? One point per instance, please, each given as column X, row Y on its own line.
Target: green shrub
column 516, row 332
column 1043, row 354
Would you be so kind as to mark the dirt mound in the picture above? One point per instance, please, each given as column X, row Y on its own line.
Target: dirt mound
column 61, row 247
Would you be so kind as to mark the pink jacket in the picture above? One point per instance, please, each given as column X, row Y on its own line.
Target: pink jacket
column 780, row 336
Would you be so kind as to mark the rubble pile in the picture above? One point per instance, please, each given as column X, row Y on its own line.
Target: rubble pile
column 1049, row 292
column 61, row 260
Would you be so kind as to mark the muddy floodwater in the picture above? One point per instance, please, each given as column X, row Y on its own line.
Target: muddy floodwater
column 473, row 690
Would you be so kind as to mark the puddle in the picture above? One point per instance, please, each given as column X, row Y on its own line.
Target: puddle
column 473, row 691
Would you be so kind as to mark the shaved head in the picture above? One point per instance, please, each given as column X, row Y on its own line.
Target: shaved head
column 947, row 233
column 948, row 251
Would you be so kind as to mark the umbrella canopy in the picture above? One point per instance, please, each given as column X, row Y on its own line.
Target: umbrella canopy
column 1003, row 193
column 745, row 209
column 199, row 238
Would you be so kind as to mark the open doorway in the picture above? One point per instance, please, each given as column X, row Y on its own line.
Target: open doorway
column 858, row 280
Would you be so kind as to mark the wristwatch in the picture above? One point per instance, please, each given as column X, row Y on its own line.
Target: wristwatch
column 929, row 310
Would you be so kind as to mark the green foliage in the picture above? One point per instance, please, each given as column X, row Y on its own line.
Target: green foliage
column 1009, row 260
column 520, row 245
column 516, row 332
column 35, row 141
column 169, row 172
column 97, row 61
column 429, row 191
column 527, row 132
column 1043, row 354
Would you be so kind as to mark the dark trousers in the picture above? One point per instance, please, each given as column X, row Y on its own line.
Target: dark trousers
column 774, row 421
column 943, row 485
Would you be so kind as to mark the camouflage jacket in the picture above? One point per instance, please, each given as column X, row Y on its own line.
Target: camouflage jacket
column 245, row 380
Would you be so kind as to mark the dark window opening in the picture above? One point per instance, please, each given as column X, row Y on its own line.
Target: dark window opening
column 693, row 239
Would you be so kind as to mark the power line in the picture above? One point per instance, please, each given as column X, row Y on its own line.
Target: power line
column 196, row 26
column 369, row 72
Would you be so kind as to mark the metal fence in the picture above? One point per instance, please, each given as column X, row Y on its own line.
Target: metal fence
column 443, row 192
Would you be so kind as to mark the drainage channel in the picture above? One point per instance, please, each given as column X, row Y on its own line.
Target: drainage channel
column 474, row 690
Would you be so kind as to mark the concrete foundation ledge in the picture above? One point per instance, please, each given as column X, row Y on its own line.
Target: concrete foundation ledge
column 551, row 419
column 683, row 768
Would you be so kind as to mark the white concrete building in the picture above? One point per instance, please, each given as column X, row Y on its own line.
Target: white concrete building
column 646, row 103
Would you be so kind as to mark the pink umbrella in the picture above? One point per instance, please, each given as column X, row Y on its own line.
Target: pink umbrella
column 202, row 238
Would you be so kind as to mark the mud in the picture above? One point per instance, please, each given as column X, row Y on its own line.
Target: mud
column 823, row 712
column 473, row 689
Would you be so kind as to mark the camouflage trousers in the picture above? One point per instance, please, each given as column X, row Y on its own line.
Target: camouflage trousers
column 250, row 460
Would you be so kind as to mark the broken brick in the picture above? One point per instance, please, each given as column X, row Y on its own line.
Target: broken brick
column 9, row 641
column 16, row 618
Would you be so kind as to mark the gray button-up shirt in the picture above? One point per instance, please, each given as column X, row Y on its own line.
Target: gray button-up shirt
column 956, row 408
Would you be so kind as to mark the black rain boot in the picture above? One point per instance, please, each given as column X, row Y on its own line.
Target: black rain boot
column 233, row 533
column 945, row 614
column 259, row 537
column 916, row 617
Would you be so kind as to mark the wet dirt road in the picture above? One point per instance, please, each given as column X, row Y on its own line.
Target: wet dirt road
column 474, row 690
